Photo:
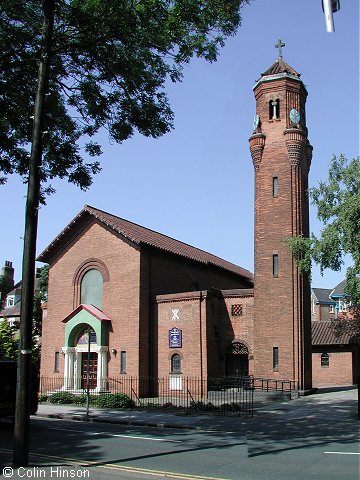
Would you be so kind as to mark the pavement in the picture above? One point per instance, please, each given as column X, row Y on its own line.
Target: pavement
column 340, row 403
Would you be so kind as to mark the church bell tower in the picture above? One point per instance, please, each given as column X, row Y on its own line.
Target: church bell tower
column 281, row 155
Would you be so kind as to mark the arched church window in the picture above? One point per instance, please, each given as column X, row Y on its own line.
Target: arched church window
column 92, row 288
column 238, row 349
column 274, row 109
column 325, row 360
column 237, row 360
column 175, row 363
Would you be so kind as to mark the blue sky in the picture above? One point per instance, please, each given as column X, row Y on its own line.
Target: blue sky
column 196, row 183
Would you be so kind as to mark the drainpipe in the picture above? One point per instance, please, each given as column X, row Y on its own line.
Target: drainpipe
column 201, row 344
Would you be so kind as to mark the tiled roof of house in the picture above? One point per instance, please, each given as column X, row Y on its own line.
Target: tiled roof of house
column 13, row 311
column 323, row 333
column 94, row 311
column 323, row 295
column 280, row 67
column 143, row 236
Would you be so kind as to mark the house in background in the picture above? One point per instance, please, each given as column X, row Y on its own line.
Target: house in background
column 342, row 303
column 11, row 306
column 10, row 296
column 322, row 306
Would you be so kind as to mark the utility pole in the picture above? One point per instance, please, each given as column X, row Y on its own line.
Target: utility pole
column 23, row 391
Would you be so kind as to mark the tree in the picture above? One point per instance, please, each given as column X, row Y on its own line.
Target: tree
column 8, row 342
column 338, row 207
column 9, row 334
column 6, row 284
column 109, row 64
column 97, row 64
column 40, row 296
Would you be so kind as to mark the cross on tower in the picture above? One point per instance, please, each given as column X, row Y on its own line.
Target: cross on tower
column 279, row 45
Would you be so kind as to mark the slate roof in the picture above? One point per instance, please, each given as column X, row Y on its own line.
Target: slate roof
column 280, row 67
column 323, row 295
column 322, row 333
column 339, row 290
column 141, row 236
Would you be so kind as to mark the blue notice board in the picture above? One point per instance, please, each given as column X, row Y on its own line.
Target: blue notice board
column 175, row 338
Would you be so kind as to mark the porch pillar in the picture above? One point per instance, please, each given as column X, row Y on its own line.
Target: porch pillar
column 102, row 369
column 68, row 367
column 77, row 370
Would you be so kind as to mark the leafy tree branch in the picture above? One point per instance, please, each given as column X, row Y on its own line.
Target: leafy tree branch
column 338, row 207
column 110, row 61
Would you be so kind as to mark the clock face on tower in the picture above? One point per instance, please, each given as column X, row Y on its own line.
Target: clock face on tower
column 294, row 116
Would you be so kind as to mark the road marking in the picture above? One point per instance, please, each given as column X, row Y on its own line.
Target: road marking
column 112, row 466
column 344, row 453
column 121, row 435
column 136, row 437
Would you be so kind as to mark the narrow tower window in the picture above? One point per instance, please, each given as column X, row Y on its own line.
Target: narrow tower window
column 275, row 187
column 123, row 362
column 275, row 358
column 275, row 265
column 274, row 109
column 57, row 362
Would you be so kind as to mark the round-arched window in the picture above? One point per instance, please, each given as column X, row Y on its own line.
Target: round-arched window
column 92, row 288
column 325, row 360
column 176, row 363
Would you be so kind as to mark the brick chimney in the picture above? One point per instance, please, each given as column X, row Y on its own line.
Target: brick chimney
column 7, row 271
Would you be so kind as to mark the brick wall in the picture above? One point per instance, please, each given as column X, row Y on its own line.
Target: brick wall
column 208, row 329
column 339, row 371
column 120, row 296
column 186, row 312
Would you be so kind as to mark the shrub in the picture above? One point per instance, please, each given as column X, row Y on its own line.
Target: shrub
column 79, row 400
column 112, row 400
column 42, row 397
column 62, row 398
column 202, row 406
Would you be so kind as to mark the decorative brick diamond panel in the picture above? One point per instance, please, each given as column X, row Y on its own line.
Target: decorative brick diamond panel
column 236, row 310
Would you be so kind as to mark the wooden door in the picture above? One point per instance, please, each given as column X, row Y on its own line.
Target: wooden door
column 89, row 368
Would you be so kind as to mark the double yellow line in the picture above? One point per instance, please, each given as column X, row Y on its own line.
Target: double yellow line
column 123, row 468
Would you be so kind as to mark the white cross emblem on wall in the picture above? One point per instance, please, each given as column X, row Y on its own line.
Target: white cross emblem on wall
column 175, row 312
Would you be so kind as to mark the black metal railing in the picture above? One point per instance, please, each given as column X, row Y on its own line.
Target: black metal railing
column 271, row 384
column 231, row 395
column 177, row 394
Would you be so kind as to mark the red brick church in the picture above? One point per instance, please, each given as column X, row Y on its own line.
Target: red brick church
column 154, row 306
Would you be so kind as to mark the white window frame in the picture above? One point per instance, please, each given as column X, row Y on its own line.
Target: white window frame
column 313, row 307
column 10, row 301
column 342, row 306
